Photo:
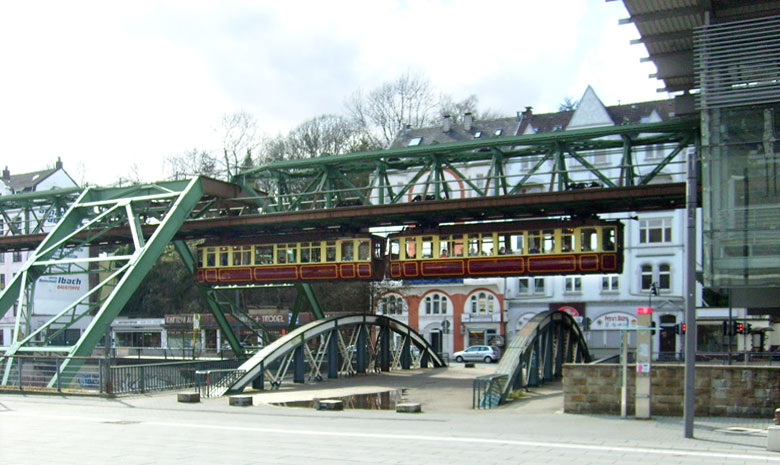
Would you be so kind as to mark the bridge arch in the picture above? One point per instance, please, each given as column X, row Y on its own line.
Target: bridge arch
column 339, row 345
column 539, row 350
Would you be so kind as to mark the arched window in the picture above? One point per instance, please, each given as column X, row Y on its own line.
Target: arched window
column 482, row 302
column 435, row 304
column 392, row 305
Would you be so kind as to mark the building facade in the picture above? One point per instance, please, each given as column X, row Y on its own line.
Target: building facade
column 604, row 305
column 52, row 292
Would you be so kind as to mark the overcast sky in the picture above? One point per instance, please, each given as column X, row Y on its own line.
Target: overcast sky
column 106, row 85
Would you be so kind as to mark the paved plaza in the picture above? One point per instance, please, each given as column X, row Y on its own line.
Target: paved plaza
column 156, row 429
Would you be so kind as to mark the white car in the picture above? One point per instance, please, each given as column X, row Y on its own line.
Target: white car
column 477, row 353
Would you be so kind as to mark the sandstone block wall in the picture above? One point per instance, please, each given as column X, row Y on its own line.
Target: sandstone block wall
column 738, row 391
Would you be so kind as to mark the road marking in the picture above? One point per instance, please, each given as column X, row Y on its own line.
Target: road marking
column 415, row 437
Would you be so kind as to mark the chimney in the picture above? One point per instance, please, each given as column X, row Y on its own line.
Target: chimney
column 58, row 165
column 519, row 116
column 446, row 123
column 528, row 112
column 6, row 174
column 405, row 129
column 468, row 120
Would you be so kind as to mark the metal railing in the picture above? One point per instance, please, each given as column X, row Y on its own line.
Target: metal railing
column 213, row 383
column 486, row 391
column 128, row 379
column 45, row 374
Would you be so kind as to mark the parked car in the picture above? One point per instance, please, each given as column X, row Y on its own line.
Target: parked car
column 477, row 353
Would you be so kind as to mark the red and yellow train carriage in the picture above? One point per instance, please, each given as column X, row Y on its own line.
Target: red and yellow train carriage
column 549, row 247
column 306, row 258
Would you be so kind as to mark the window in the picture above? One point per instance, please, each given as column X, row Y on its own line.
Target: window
column 610, row 283
column 498, row 132
column 2, row 281
column 411, row 248
column 242, row 255
column 608, row 239
column 311, row 252
column 529, row 286
column 392, row 305
column 364, row 250
column 347, row 251
column 567, row 240
column 655, row 152
column 330, row 251
column 573, row 284
column 660, row 274
column 477, row 134
column 590, row 239
column 224, row 256
column 17, row 257
column 427, row 247
column 415, row 141
column 482, row 303
column 264, row 255
column 211, row 257
column 435, row 304
column 655, row 231
column 511, row 244
column 286, row 253
column 2, row 257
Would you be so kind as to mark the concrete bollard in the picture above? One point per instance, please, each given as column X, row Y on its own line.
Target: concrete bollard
column 777, row 416
column 240, row 401
column 468, row 364
column 188, row 397
column 408, row 407
column 328, row 404
column 773, row 439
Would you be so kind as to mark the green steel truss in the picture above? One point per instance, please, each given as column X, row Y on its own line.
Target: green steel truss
column 147, row 217
column 488, row 167
column 28, row 212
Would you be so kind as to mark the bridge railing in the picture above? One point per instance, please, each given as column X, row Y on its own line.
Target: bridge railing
column 45, row 374
column 213, row 383
column 487, row 390
column 127, row 379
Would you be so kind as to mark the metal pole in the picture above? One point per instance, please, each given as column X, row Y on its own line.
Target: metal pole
column 689, row 398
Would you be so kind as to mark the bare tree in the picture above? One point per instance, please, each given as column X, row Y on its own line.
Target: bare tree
column 456, row 110
column 568, row 104
column 191, row 163
column 382, row 113
column 239, row 142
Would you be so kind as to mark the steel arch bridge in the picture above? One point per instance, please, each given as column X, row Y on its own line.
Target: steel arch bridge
column 536, row 355
column 336, row 346
column 306, row 194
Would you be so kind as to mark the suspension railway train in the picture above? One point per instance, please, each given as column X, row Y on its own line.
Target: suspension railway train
column 545, row 247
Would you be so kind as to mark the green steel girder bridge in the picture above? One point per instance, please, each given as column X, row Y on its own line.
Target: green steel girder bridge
column 540, row 175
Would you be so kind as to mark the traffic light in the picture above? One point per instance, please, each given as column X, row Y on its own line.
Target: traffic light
column 739, row 328
column 683, row 327
column 679, row 328
column 654, row 289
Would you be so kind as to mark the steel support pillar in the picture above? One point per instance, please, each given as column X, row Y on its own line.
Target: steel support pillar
column 384, row 348
column 259, row 381
column 360, row 348
column 299, row 364
column 406, row 355
column 333, row 354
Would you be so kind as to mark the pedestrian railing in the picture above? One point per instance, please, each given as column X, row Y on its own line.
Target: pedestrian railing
column 214, row 383
column 127, row 379
column 50, row 374
column 487, row 390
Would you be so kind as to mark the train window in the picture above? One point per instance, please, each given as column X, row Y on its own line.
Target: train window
column 316, row 252
column 395, row 249
column 608, row 239
column 589, row 238
column 242, row 255
column 224, row 255
column 364, row 250
column 510, row 244
column 411, row 248
column 567, row 240
column 486, row 247
column 211, row 257
column 457, row 245
column 286, row 253
column 305, row 249
column 444, row 246
column 473, row 245
column 264, row 255
column 534, row 241
column 427, row 247
column 201, row 253
column 548, row 241
column 378, row 249
column 330, row 251
column 347, row 251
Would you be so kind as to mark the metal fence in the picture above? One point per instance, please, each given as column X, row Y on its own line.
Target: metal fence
column 161, row 376
column 213, row 383
column 486, row 391
column 46, row 374
column 95, row 375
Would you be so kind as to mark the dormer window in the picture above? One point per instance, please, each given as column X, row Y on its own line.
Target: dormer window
column 477, row 134
column 498, row 132
column 415, row 141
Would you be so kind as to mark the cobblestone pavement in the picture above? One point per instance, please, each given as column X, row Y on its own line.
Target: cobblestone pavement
column 156, row 429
